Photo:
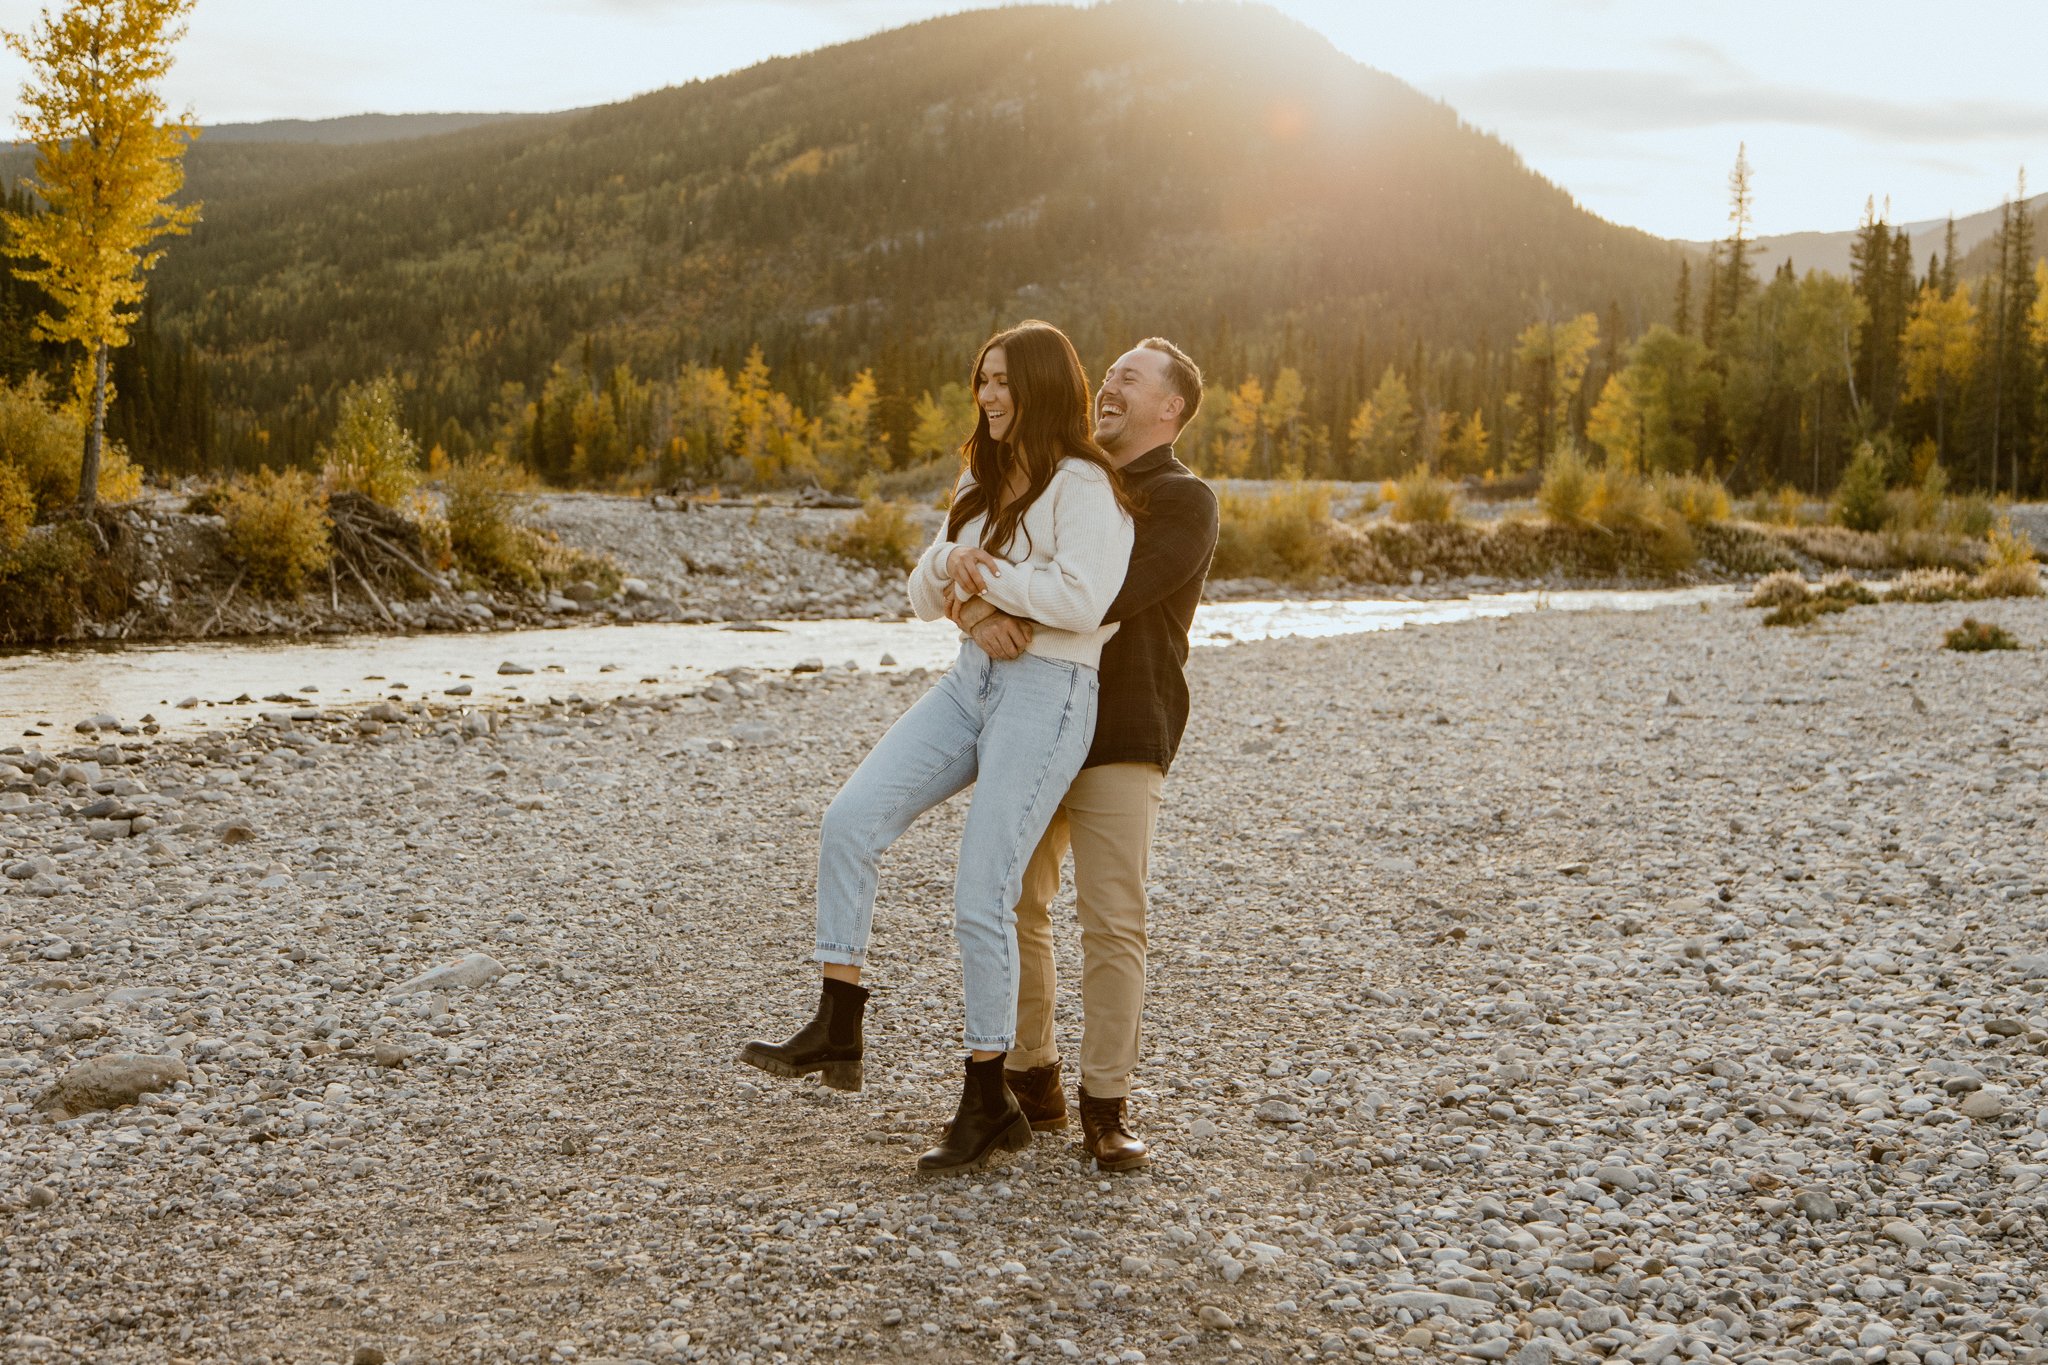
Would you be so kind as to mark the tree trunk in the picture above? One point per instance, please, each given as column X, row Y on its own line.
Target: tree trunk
column 95, row 438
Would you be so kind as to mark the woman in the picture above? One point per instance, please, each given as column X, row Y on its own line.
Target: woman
column 1038, row 526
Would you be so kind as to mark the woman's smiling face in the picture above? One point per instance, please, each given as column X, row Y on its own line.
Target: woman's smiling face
column 992, row 391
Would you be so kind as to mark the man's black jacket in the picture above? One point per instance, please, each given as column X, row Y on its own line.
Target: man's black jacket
column 1143, row 704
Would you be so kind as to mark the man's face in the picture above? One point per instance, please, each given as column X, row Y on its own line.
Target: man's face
column 1136, row 401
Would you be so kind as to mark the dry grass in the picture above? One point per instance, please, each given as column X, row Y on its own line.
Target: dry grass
column 277, row 529
column 1930, row 585
column 880, row 535
column 1785, row 588
column 1420, row 497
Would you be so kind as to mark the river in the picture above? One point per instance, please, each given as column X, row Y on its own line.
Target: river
column 43, row 693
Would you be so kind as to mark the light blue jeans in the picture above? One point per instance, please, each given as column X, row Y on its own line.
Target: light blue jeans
column 1017, row 732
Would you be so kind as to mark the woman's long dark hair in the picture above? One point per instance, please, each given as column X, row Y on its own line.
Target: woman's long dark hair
column 1050, row 420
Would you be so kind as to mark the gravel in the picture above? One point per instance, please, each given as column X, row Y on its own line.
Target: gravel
column 1502, row 1009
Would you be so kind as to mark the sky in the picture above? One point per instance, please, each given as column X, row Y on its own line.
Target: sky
column 1636, row 107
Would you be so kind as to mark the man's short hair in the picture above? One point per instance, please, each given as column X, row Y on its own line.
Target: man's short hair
column 1184, row 374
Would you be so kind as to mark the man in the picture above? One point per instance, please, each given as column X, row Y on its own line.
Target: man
column 1146, row 400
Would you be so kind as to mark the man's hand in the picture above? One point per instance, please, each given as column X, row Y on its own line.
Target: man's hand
column 1001, row 636
column 969, row 613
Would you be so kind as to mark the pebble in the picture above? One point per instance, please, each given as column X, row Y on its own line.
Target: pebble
column 1771, row 973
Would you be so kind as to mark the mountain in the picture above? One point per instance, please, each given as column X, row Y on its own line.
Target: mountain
column 1212, row 171
column 352, row 129
column 1829, row 251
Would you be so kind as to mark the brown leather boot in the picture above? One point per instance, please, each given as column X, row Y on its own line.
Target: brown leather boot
column 1041, row 1096
column 1105, row 1136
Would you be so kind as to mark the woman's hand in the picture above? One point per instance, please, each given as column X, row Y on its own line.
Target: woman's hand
column 965, row 566
column 1002, row 636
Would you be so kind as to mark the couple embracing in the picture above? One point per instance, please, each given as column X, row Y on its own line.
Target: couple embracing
column 1072, row 560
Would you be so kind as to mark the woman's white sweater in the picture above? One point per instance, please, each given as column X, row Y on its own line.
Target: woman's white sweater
column 1067, row 561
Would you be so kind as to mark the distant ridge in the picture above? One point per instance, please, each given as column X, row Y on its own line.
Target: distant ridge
column 354, row 129
column 1829, row 251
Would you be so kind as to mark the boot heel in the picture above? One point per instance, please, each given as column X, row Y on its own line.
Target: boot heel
column 842, row 1075
column 1017, row 1137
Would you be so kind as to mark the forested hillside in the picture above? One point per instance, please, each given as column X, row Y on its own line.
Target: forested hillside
column 781, row 274
column 1213, row 172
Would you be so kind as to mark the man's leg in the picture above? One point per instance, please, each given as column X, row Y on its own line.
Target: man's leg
column 1110, row 812
column 1036, row 1045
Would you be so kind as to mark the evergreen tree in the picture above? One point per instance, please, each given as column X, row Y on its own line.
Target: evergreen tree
column 1681, row 303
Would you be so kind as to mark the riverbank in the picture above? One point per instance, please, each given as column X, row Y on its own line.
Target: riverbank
column 1557, row 987
column 682, row 561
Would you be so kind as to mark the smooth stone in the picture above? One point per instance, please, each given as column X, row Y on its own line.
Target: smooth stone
column 1214, row 1318
column 1905, row 1234
column 509, row 669
column 1987, row 1103
column 1817, row 1205
column 474, row 969
column 1422, row 1303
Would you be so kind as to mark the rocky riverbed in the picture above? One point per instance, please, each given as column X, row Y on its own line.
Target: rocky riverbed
column 1650, row 987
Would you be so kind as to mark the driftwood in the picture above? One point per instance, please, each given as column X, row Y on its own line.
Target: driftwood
column 381, row 548
column 222, row 605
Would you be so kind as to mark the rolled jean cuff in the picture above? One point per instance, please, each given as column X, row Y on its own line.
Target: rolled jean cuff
column 839, row 955
column 1106, row 1090
column 1030, row 1059
column 980, row 1043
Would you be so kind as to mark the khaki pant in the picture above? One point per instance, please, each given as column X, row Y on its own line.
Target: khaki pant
column 1107, row 817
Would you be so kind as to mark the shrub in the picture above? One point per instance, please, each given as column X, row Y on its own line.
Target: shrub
column 1974, row 636
column 1861, row 498
column 17, row 507
column 1970, row 516
column 1623, row 500
column 1784, row 588
column 277, row 529
column 2008, row 580
column 47, row 446
column 880, row 535
column 1285, row 535
column 1845, row 587
column 1566, row 494
column 1697, row 499
column 370, row 452
column 1421, row 497
column 1804, row 613
column 2009, row 569
column 53, row 580
column 1777, row 507
column 558, row 562
column 1930, row 585
column 483, row 500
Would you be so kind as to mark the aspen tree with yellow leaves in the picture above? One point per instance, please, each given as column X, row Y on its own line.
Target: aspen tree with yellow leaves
column 109, row 160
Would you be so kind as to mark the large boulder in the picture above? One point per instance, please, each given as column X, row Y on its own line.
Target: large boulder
column 110, row 1083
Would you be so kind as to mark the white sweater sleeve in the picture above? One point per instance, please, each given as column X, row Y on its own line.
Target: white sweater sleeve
column 928, row 579
column 1091, row 551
